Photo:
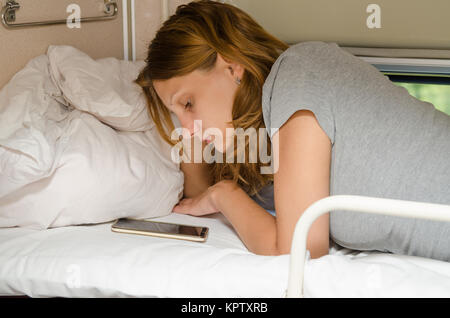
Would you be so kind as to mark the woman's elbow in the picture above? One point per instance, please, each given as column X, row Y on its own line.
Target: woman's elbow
column 271, row 251
column 315, row 251
column 319, row 249
column 319, row 253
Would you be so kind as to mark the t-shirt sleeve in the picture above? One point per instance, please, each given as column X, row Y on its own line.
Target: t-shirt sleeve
column 300, row 80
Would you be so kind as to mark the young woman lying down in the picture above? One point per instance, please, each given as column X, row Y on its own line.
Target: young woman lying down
column 331, row 123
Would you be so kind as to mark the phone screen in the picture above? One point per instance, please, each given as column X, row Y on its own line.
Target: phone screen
column 160, row 227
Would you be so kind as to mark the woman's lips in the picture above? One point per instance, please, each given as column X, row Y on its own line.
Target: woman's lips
column 208, row 139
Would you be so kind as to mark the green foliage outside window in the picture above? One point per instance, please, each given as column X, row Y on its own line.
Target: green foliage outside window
column 436, row 94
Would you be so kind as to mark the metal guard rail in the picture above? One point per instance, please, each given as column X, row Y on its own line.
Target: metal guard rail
column 356, row 203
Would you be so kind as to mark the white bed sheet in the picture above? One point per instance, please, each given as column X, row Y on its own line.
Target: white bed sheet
column 93, row 261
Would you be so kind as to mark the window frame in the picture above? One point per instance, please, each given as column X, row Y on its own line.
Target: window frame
column 412, row 70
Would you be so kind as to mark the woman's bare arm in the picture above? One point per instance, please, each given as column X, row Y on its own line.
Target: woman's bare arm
column 255, row 226
column 196, row 176
column 302, row 178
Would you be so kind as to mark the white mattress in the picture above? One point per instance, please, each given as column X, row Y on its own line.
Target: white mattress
column 93, row 261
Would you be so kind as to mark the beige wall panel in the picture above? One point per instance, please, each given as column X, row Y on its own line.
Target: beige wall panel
column 98, row 39
column 404, row 23
column 148, row 21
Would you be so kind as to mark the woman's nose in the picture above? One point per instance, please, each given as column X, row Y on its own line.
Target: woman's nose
column 192, row 127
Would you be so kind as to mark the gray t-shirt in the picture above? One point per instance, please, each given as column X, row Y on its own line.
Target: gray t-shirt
column 385, row 143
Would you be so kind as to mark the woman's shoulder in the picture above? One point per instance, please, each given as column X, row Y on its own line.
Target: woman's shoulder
column 302, row 78
column 310, row 57
column 301, row 63
column 311, row 48
column 320, row 63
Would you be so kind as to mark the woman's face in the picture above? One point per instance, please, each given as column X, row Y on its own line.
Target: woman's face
column 204, row 96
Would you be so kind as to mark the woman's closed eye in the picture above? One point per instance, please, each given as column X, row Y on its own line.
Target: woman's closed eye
column 188, row 104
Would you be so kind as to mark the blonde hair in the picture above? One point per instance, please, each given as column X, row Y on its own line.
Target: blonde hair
column 190, row 40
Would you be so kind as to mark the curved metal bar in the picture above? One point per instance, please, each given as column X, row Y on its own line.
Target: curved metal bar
column 356, row 203
column 8, row 15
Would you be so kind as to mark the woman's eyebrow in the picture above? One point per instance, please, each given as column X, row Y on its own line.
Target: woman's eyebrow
column 173, row 96
column 170, row 102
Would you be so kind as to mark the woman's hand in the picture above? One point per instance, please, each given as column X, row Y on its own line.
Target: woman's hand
column 204, row 203
column 199, row 205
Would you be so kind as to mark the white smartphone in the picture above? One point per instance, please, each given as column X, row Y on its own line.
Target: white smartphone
column 161, row 229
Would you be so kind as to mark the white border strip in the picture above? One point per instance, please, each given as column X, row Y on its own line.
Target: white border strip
column 164, row 10
column 164, row 17
column 125, row 29
column 133, row 30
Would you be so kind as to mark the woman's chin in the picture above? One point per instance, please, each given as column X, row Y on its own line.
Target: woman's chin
column 219, row 149
column 219, row 146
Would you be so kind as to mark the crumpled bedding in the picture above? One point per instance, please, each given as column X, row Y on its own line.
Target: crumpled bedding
column 93, row 261
column 77, row 145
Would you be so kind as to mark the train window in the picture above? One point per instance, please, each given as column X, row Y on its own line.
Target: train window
column 435, row 90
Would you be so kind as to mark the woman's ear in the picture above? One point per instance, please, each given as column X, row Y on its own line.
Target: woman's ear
column 236, row 70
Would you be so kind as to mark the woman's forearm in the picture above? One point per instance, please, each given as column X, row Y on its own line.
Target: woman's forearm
column 254, row 225
column 196, row 175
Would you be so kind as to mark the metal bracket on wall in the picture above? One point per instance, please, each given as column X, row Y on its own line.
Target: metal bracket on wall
column 8, row 15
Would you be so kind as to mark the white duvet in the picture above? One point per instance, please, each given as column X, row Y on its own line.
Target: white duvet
column 77, row 145
column 93, row 261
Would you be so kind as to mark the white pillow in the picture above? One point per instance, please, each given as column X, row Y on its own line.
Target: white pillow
column 102, row 87
column 60, row 166
column 102, row 174
column 31, row 120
